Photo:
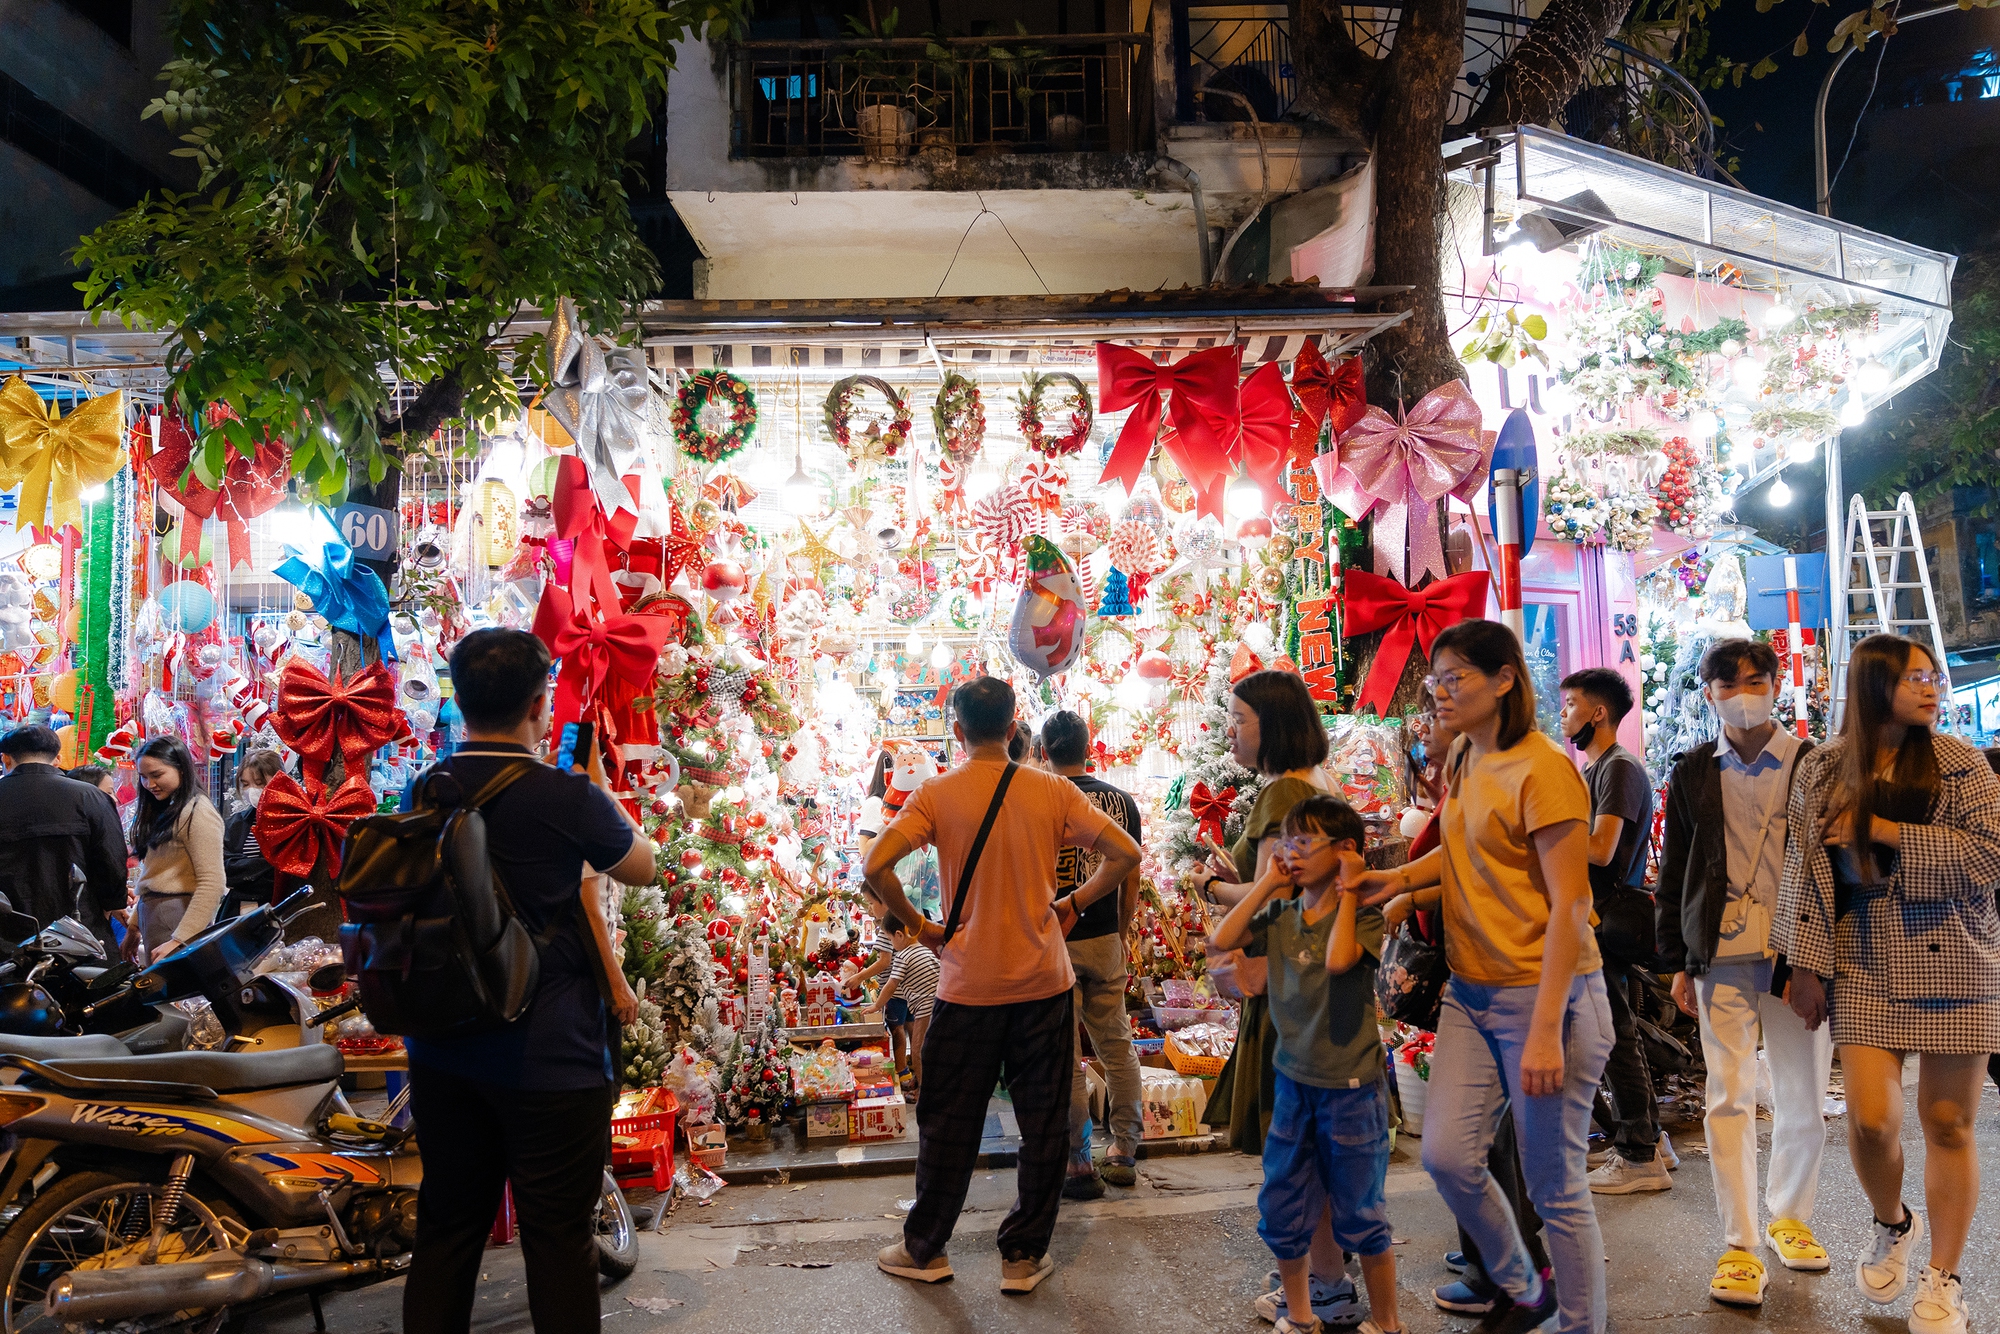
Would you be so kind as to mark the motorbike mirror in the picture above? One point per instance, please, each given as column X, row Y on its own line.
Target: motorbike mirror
column 327, row 977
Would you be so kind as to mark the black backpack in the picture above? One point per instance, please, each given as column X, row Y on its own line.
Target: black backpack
column 431, row 937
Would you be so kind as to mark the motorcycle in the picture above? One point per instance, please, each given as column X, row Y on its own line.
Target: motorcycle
column 179, row 1190
column 50, row 977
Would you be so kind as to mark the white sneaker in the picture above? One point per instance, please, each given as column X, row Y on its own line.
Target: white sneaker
column 1621, row 1176
column 1338, row 1304
column 1940, row 1304
column 1883, row 1270
column 1672, row 1159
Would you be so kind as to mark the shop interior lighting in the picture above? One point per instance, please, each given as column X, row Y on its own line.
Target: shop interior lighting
column 1745, row 373
column 802, row 494
column 1134, row 691
column 1702, row 424
column 941, row 656
column 1802, row 450
column 1243, row 498
column 1779, row 315
column 93, row 494
column 1852, row 412
column 983, row 479
column 1871, row 377
column 1780, row 495
column 914, row 645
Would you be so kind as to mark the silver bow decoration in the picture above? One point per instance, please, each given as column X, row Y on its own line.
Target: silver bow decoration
column 599, row 396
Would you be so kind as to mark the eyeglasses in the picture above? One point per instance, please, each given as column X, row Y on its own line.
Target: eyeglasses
column 1449, row 682
column 1935, row 680
column 1303, row 845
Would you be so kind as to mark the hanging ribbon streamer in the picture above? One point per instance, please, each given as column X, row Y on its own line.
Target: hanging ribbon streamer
column 1326, row 394
column 347, row 593
column 1412, row 619
column 295, row 827
column 1202, row 396
column 1399, row 470
column 53, row 458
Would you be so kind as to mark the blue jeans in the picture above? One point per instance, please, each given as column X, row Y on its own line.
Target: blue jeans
column 1325, row 1146
column 1474, row 1069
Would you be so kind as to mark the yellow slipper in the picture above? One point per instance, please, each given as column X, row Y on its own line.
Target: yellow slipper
column 1739, row 1279
column 1794, row 1245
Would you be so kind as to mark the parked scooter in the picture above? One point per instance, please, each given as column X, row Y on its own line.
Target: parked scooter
column 175, row 1190
column 53, row 978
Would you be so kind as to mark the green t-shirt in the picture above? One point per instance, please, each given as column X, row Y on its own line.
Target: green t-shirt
column 1267, row 817
column 1327, row 1036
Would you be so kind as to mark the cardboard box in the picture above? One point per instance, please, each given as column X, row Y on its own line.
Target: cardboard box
column 708, row 1144
column 826, row 1120
column 879, row 1118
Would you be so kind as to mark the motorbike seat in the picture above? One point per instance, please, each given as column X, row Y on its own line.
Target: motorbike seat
column 225, row 1072
column 94, row 1046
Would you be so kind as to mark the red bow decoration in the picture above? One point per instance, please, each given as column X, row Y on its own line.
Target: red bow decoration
column 296, row 825
column 594, row 651
column 1325, row 392
column 1203, row 389
column 250, row 487
column 355, row 715
column 1258, row 438
column 1374, row 603
column 1211, row 808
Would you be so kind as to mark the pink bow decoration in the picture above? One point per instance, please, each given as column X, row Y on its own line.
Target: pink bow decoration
column 1399, row 470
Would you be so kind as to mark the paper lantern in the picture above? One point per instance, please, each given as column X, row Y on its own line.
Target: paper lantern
column 62, row 691
column 499, row 515
column 541, row 479
column 545, row 425
column 67, row 736
column 188, row 606
column 170, row 548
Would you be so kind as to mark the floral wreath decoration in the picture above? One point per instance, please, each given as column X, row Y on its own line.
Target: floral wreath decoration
column 877, row 441
column 699, row 390
column 1030, row 410
column 959, row 416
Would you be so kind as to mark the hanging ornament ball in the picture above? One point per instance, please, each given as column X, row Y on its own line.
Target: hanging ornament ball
column 1154, row 665
column 1144, row 507
column 1282, row 548
column 1199, row 540
column 704, row 518
column 193, row 560
column 188, row 606
column 1270, row 580
column 1175, row 491
column 62, row 691
column 724, row 580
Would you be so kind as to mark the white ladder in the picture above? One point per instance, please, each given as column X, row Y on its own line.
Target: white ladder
column 1879, row 540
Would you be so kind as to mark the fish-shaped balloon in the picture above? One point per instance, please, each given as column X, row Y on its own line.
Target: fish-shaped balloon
column 1049, row 617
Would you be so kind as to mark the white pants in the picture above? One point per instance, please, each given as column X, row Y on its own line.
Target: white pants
column 1737, row 1007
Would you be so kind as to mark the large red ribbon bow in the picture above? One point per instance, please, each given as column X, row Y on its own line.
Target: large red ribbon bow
column 296, row 826
column 1202, row 389
column 354, row 715
column 1260, row 439
column 1412, row 618
column 595, row 650
column 1325, row 393
column 250, row 487
column 1211, row 809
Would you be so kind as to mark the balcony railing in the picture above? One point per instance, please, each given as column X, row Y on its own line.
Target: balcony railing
column 938, row 100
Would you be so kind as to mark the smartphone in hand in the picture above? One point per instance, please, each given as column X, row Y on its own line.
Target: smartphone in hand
column 566, row 748
column 580, row 752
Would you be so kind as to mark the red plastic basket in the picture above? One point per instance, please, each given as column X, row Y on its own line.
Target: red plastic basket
column 653, row 1155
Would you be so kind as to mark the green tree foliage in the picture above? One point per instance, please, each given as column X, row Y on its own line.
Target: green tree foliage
column 384, row 185
column 1948, row 428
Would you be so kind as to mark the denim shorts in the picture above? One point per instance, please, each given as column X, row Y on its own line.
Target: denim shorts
column 1325, row 1145
column 898, row 1012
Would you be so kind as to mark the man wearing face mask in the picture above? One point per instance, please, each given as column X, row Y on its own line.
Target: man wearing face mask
column 1594, row 702
column 1720, row 864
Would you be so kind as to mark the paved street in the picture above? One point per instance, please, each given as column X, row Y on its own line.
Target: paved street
column 1180, row 1252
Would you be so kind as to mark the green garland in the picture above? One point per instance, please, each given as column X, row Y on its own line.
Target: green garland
column 1814, row 422
column 94, row 625
column 1624, row 442
column 1609, row 266
column 1853, row 317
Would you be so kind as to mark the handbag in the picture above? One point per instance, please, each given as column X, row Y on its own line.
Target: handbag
column 978, row 846
column 1409, row 985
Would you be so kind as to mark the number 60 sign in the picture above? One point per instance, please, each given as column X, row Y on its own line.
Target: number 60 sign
column 370, row 531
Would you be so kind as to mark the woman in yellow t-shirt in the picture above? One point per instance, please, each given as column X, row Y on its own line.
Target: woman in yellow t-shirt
column 1525, row 1015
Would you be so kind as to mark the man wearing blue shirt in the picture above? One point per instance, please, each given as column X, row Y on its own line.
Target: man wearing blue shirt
column 527, row 1104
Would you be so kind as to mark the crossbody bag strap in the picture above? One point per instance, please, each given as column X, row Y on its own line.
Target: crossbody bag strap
column 978, row 846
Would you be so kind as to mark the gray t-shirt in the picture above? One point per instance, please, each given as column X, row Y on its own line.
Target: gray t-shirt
column 1619, row 786
column 1327, row 1035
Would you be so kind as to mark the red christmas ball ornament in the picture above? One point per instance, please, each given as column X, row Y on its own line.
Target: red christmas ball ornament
column 1154, row 665
column 724, row 580
column 691, row 858
column 743, row 977
column 757, row 819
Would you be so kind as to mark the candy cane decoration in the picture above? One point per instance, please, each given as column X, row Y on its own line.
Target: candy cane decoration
column 1795, row 642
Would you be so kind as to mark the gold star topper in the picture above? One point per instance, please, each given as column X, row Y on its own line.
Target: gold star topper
column 813, row 547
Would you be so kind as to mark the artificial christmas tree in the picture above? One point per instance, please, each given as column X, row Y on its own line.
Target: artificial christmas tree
column 757, row 1075
column 647, row 1053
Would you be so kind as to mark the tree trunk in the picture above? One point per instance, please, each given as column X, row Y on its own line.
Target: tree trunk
column 1539, row 77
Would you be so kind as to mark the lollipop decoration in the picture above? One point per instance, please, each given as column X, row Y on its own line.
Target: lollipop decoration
column 876, row 440
column 723, row 389
column 1003, row 518
column 1071, row 409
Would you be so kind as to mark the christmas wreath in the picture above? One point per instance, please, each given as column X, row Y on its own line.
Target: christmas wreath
column 1632, row 515
column 1074, row 401
column 876, row 440
column 960, row 418
column 701, row 389
column 1573, row 512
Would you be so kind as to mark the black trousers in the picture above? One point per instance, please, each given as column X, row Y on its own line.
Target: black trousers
column 551, row 1148
column 966, row 1051
column 1504, row 1161
column 1637, row 1137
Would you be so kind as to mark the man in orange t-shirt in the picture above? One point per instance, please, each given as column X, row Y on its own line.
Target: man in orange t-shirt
column 1003, row 997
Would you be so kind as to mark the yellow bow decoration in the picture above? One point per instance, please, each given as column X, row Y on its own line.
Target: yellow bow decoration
column 52, row 457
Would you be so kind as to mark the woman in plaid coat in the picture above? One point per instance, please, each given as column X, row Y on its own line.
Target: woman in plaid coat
column 1889, row 892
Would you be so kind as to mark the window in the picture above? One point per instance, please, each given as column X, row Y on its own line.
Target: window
column 1986, row 556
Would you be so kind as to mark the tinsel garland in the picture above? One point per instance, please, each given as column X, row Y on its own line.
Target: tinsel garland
column 117, row 667
column 95, row 625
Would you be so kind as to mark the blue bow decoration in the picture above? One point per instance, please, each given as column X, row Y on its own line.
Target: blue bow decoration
column 348, row 594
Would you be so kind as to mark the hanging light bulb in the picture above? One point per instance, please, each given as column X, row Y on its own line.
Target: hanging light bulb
column 1852, row 413
column 886, row 677
column 1802, row 451
column 1134, row 692
column 941, row 656
column 914, row 645
column 1745, row 373
column 1779, row 315
column 1243, row 498
column 1871, row 377
column 983, row 478
column 802, row 493
column 93, row 494
column 1780, row 494
column 1703, row 424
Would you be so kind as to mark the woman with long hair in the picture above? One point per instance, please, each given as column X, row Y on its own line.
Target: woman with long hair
column 1888, row 896
column 1525, row 1017
column 178, row 836
column 250, row 878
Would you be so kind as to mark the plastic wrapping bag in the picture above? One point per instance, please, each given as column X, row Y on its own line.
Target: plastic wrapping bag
column 1365, row 764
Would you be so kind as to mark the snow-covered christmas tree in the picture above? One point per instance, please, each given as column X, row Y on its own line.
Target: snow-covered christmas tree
column 1209, row 770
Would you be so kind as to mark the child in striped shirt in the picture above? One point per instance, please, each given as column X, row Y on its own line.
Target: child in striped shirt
column 905, row 1002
